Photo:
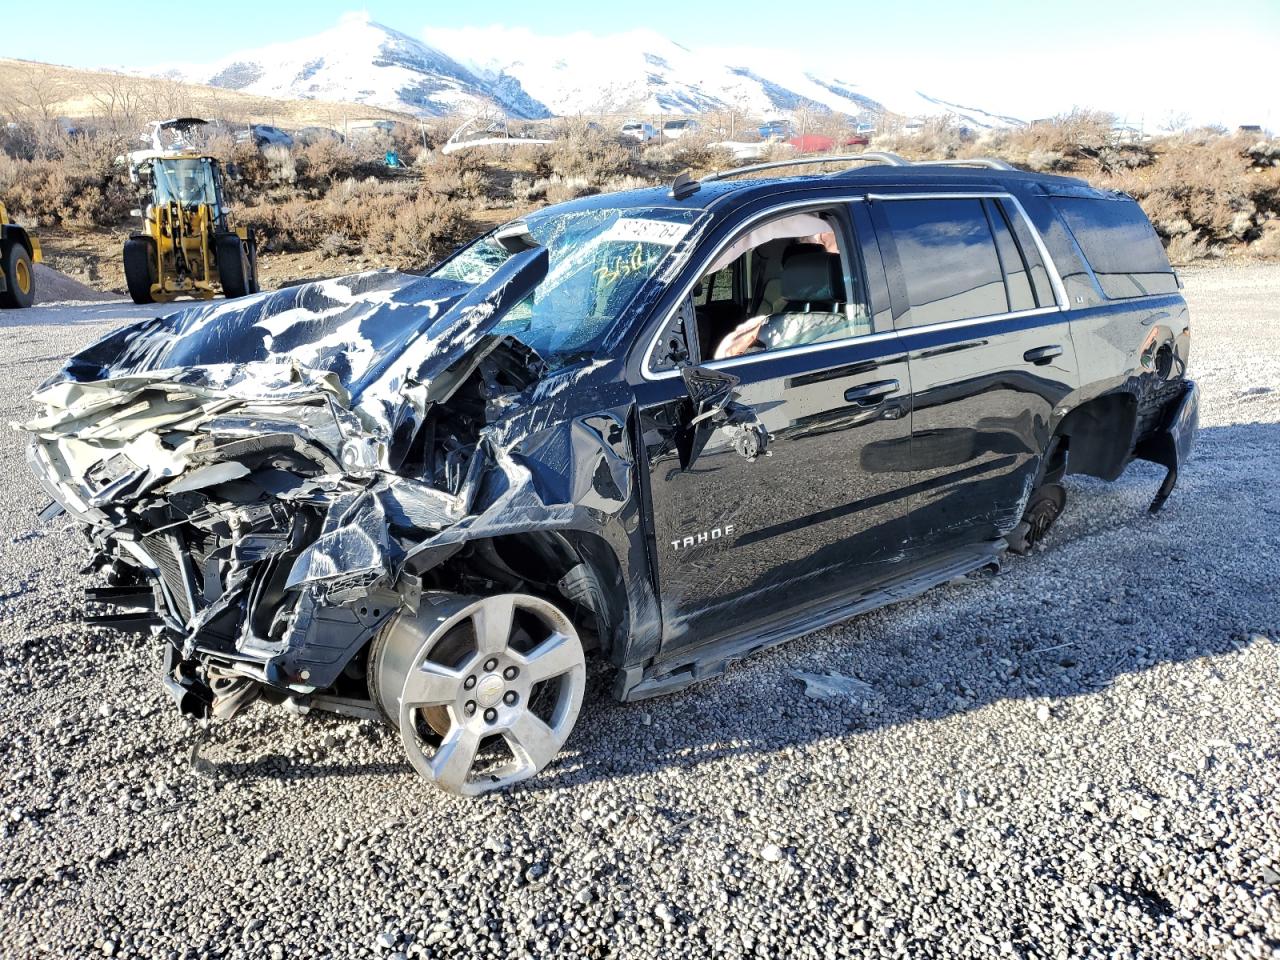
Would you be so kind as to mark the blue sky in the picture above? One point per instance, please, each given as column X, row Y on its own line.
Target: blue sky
column 1214, row 60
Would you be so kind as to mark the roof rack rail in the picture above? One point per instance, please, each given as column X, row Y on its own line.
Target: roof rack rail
column 875, row 156
column 993, row 163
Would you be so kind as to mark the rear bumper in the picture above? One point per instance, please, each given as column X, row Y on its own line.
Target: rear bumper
column 1171, row 444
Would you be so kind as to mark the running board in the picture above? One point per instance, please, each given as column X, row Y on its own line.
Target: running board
column 683, row 669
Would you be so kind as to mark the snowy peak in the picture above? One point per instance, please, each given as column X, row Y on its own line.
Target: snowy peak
column 641, row 72
column 529, row 76
column 366, row 62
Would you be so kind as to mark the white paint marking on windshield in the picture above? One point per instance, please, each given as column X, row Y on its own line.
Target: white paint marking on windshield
column 646, row 231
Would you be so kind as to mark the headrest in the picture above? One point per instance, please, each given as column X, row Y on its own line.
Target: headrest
column 809, row 273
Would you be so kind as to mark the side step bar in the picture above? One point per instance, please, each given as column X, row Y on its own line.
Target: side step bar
column 689, row 667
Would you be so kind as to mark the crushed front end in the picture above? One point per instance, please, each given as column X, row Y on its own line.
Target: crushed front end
column 253, row 512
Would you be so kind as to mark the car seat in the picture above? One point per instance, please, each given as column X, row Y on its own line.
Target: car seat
column 813, row 306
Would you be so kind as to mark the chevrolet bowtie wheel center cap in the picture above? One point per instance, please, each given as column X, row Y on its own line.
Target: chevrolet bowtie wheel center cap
column 489, row 690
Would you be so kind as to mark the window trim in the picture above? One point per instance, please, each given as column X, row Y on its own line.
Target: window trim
column 1055, row 280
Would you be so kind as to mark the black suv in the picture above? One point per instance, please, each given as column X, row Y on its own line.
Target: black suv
column 666, row 428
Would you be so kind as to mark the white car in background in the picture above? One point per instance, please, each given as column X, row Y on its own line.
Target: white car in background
column 675, row 129
column 638, row 130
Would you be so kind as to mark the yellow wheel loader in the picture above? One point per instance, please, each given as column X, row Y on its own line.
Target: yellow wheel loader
column 186, row 247
column 19, row 251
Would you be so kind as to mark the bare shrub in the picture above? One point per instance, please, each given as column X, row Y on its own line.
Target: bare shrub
column 700, row 157
column 414, row 235
column 337, row 244
column 280, row 164
column 939, row 138
column 83, row 187
column 1211, row 184
column 558, row 189
column 589, row 153
column 1268, row 244
column 1047, row 161
column 1061, row 143
column 250, row 164
column 526, row 190
column 1187, row 248
column 455, row 175
column 326, row 161
column 628, row 182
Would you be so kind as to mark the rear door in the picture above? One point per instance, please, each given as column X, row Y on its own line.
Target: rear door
column 979, row 310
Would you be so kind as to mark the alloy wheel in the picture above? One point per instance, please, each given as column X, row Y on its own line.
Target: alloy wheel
column 484, row 691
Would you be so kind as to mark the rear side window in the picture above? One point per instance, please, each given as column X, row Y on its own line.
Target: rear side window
column 949, row 259
column 1121, row 246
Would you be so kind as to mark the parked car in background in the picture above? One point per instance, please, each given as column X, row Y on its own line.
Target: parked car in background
column 774, row 130
column 663, row 429
column 370, row 129
column 638, row 130
column 264, row 135
column 677, row 128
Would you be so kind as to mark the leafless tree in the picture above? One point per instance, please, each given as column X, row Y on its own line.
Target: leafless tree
column 119, row 102
column 36, row 96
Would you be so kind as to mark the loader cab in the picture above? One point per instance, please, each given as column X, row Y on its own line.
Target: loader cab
column 188, row 181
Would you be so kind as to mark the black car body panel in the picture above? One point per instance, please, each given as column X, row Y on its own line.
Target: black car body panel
column 292, row 470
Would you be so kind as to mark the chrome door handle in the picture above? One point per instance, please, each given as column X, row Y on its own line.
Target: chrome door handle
column 1042, row 355
column 871, row 394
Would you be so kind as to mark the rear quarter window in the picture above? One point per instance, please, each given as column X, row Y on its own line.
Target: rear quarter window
column 1121, row 246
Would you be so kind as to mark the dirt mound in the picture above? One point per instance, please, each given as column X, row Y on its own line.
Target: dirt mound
column 55, row 287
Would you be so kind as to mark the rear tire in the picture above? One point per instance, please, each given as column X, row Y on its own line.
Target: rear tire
column 139, row 268
column 1045, row 505
column 19, row 276
column 1043, row 510
column 235, row 272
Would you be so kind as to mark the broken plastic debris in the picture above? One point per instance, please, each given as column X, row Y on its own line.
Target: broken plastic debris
column 824, row 686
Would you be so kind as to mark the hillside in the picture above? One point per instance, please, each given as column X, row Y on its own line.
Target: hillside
column 41, row 90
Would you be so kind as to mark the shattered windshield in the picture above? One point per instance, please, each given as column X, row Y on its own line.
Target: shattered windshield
column 599, row 261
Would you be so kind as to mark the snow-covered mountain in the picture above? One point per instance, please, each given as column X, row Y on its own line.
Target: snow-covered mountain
column 642, row 72
column 365, row 62
column 527, row 75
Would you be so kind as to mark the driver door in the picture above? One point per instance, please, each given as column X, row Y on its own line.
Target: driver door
column 742, row 534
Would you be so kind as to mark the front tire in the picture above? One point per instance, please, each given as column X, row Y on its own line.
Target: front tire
column 234, row 270
column 139, row 268
column 484, row 690
column 19, row 276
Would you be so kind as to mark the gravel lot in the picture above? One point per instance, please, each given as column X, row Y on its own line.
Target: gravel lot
column 1079, row 757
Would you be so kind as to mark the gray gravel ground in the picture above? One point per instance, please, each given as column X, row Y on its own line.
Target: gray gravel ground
column 1080, row 757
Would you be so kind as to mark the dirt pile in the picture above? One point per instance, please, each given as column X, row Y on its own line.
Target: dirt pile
column 55, row 287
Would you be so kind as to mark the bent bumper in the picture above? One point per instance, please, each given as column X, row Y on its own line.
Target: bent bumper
column 1171, row 444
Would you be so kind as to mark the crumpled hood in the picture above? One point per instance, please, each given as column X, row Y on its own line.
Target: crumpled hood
column 341, row 326
column 372, row 332
column 355, row 362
